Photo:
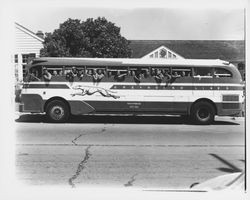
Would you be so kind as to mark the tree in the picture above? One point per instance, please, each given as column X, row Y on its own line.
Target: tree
column 90, row 38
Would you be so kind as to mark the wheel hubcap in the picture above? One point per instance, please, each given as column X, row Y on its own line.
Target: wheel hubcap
column 57, row 112
column 203, row 114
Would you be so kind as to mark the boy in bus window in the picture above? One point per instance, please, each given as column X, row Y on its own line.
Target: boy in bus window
column 109, row 74
column 74, row 71
column 46, row 75
column 176, row 75
column 168, row 76
column 120, row 77
column 80, row 74
column 55, row 73
column 97, row 75
column 89, row 72
column 158, row 76
column 71, row 74
column 138, row 76
column 146, row 73
column 32, row 76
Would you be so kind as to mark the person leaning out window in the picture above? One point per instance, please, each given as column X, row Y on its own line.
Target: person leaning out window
column 46, row 75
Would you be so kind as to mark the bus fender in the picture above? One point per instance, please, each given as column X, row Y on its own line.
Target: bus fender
column 80, row 107
column 32, row 103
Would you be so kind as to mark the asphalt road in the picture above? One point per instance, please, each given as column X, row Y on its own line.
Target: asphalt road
column 140, row 152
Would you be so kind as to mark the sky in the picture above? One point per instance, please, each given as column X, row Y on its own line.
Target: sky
column 143, row 22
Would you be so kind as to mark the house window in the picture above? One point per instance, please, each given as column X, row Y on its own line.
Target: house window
column 16, row 71
column 156, row 54
column 25, row 58
column 169, row 54
column 174, row 56
column 28, row 57
column 151, row 56
column 163, row 53
column 16, row 58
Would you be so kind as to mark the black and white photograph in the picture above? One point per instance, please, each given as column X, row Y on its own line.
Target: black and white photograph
column 124, row 96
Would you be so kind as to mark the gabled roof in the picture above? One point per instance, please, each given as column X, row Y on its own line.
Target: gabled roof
column 233, row 50
column 29, row 32
column 165, row 48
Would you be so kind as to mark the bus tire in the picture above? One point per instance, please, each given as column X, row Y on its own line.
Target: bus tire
column 203, row 113
column 57, row 111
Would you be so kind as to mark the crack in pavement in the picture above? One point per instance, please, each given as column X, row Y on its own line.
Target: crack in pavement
column 76, row 138
column 130, row 182
column 80, row 167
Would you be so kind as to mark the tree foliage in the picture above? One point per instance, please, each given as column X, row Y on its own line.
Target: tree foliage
column 90, row 38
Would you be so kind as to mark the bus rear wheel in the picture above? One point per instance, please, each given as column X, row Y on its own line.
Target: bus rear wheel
column 57, row 111
column 203, row 113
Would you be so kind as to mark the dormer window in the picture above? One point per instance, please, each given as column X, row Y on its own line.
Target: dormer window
column 156, row 54
column 163, row 53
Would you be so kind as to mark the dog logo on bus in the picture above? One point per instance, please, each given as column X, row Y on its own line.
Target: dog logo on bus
column 90, row 90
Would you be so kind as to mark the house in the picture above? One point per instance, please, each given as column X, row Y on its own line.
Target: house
column 229, row 50
column 27, row 46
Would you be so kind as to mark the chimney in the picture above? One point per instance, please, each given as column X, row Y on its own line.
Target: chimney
column 40, row 34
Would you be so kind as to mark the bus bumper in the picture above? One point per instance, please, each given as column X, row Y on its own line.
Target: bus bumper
column 229, row 109
column 20, row 108
column 32, row 103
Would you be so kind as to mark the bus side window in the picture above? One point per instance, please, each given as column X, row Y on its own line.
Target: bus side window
column 57, row 74
column 98, row 75
column 138, row 75
column 152, row 72
column 203, row 72
column 109, row 73
column 32, row 75
column 179, row 72
column 80, row 74
column 120, row 75
column 89, row 72
column 146, row 73
column 221, row 72
column 158, row 75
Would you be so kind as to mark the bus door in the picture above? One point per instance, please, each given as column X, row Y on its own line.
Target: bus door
column 203, row 82
column 182, row 88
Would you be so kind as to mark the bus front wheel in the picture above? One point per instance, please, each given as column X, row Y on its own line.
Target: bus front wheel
column 57, row 111
column 203, row 113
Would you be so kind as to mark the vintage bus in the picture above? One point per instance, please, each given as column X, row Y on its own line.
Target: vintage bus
column 199, row 89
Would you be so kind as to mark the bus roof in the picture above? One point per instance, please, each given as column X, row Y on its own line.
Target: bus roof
column 61, row 61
